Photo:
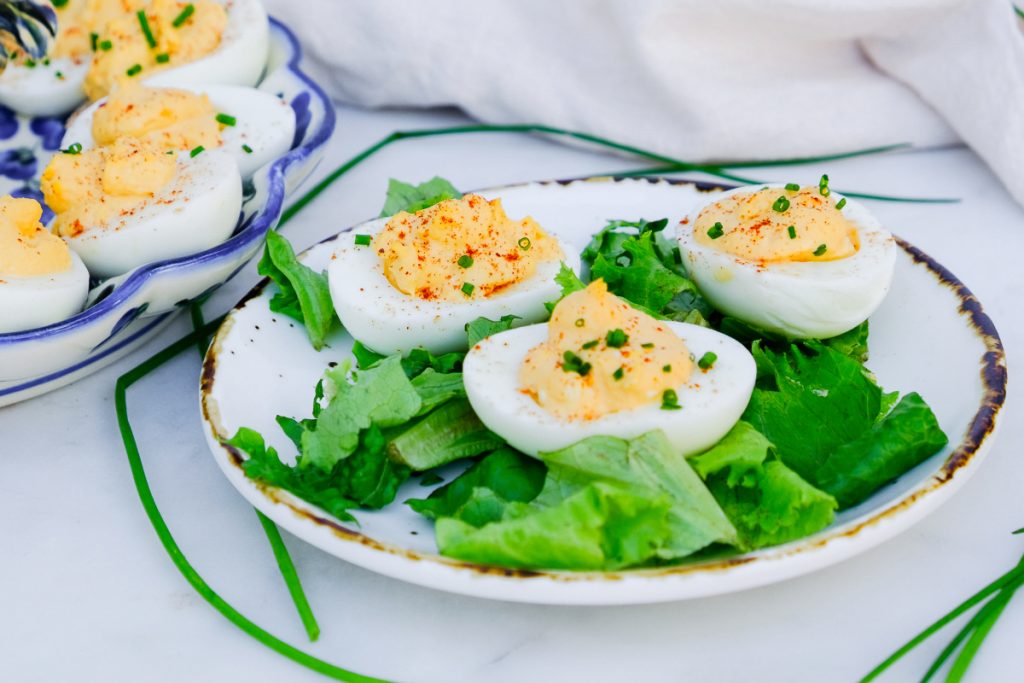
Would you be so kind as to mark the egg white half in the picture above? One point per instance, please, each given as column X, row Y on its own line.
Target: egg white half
column 239, row 59
column 388, row 321
column 799, row 300
column 45, row 89
column 712, row 401
column 197, row 209
column 30, row 302
column 264, row 122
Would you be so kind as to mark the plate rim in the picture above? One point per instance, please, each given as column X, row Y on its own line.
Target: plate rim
column 870, row 530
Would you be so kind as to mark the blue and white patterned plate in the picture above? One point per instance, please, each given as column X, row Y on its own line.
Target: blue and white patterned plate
column 124, row 312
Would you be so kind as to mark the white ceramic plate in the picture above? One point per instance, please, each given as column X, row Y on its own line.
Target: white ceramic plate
column 261, row 365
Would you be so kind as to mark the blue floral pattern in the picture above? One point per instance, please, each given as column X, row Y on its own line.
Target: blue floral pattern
column 49, row 130
column 8, row 123
column 18, row 163
column 27, row 147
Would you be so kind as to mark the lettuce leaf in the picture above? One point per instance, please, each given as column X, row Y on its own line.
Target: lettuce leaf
column 382, row 396
column 569, row 281
column 827, row 418
column 609, row 240
column 852, row 343
column 904, row 438
column 601, row 526
column 365, row 479
column 648, row 462
column 302, row 293
column 450, row 433
column 413, row 364
column 766, row 501
column 369, row 430
column 506, row 473
column 405, row 197
column 606, row 503
column 654, row 281
column 481, row 328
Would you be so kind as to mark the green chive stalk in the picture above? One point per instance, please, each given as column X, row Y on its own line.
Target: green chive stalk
column 277, row 546
column 668, row 164
column 974, row 632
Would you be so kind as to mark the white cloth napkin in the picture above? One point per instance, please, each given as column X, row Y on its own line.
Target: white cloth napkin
column 694, row 79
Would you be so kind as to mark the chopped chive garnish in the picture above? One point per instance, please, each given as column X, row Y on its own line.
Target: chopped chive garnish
column 163, row 58
column 105, row 45
column 247, row 149
column 781, row 204
column 617, row 375
column 146, row 31
column 820, row 250
column 841, row 203
column 46, row 61
column 169, row 152
column 73, row 148
column 226, row 119
column 524, row 243
column 573, row 363
column 792, row 232
column 465, row 261
column 196, row 151
column 707, row 360
column 716, row 231
column 591, row 344
column 670, row 400
column 134, row 69
column 467, row 288
column 93, row 39
column 823, row 186
column 30, row 63
column 580, row 322
column 59, row 74
column 363, row 240
column 616, row 338
column 666, row 368
column 793, row 187
column 183, row 17
column 59, row 3
column 648, row 345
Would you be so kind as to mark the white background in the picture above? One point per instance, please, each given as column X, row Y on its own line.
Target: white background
column 87, row 592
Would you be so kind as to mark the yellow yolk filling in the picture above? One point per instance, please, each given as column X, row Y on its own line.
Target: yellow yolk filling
column 87, row 190
column 628, row 358
column 163, row 117
column 130, row 54
column 77, row 20
column 28, row 249
column 752, row 227
column 461, row 249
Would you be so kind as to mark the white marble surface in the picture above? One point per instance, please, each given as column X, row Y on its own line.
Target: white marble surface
column 87, row 593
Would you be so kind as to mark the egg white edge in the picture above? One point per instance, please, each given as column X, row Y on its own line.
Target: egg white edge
column 496, row 362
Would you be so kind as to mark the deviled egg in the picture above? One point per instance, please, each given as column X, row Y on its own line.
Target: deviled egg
column 41, row 280
column 253, row 126
column 803, row 262
column 132, row 203
column 600, row 367
column 105, row 44
column 172, row 43
column 53, row 85
column 416, row 280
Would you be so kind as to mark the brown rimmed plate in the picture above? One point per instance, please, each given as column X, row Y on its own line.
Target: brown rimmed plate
column 930, row 335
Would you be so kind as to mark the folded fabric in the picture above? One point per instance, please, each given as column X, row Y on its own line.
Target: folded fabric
column 697, row 80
